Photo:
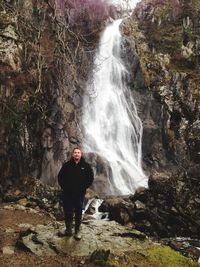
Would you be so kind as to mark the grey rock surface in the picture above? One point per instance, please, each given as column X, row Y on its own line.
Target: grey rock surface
column 96, row 234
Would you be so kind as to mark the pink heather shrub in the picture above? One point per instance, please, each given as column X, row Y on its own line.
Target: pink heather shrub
column 83, row 12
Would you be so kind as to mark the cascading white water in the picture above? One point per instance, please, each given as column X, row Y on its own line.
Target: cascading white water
column 112, row 127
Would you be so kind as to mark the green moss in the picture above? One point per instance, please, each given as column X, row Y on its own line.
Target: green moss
column 166, row 257
column 155, row 256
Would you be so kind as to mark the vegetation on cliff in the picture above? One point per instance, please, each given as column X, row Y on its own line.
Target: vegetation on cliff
column 172, row 27
column 167, row 41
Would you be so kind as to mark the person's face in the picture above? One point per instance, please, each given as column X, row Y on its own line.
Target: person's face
column 76, row 155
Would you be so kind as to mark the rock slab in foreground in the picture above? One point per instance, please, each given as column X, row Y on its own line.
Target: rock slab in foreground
column 97, row 234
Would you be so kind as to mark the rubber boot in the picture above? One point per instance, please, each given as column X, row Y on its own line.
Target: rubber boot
column 77, row 234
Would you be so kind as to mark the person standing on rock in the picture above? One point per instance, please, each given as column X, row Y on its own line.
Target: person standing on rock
column 74, row 178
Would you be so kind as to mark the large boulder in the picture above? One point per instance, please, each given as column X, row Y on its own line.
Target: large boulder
column 167, row 208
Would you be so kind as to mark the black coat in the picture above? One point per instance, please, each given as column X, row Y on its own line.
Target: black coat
column 75, row 178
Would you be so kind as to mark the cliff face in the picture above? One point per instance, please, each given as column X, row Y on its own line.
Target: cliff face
column 167, row 41
column 171, row 68
column 165, row 35
column 45, row 57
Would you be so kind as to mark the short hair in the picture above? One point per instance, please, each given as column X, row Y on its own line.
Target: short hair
column 76, row 148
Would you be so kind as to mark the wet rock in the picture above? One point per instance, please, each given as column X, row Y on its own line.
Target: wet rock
column 139, row 205
column 140, row 211
column 187, row 247
column 92, row 208
column 134, row 234
column 157, row 181
column 97, row 235
column 160, row 211
column 119, row 210
column 144, row 226
column 141, row 194
column 100, row 256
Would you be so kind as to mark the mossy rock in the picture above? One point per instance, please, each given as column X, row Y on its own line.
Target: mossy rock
column 100, row 257
column 157, row 256
column 166, row 257
column 104, row 258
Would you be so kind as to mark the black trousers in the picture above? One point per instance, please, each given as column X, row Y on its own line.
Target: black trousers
column 73, row 204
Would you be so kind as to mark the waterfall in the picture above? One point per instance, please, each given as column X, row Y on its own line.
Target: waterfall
column 112, row 128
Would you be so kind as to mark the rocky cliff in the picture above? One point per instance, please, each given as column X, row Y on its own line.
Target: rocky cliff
column 45, row 57
column 165, row 80
column 166, row 37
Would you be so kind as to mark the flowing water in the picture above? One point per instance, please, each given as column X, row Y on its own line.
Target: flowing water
column 112, row 128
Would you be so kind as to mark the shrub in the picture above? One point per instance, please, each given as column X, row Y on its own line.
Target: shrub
column 82, row 12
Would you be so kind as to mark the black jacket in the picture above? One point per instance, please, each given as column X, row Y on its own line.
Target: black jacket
column 75, row 178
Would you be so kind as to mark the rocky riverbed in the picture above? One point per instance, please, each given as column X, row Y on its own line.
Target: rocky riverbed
column 31, row 238
column 32, row 227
